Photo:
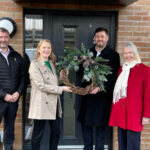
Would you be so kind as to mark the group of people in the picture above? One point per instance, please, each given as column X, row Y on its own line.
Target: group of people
column 125, row 104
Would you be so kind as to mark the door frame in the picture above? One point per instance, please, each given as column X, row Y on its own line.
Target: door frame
column 48, row 21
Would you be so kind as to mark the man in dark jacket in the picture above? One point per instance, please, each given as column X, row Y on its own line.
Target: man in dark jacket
column 95, row 107
column 11, row 86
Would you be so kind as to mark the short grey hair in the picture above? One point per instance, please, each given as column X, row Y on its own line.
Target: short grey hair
column 133, row 48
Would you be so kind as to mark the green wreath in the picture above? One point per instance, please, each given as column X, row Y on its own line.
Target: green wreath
column 96, row 69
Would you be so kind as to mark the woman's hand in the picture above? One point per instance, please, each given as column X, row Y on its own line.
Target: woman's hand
column 145, row 120
column 62, row 72
column 66, row 89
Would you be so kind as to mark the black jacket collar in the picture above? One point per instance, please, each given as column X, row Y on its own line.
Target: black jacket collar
column 11, row 49
column 104, row 52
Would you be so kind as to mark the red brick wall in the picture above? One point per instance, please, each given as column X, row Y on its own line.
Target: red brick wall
column 10, row 9
column 133, row 25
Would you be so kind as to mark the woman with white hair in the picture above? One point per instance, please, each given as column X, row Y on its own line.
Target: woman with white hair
column 131, row 99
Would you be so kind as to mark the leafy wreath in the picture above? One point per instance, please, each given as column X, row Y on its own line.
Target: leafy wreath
column 95, row 68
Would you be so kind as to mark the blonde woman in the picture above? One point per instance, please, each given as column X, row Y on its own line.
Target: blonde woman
column 131, row 99
column 45, row 102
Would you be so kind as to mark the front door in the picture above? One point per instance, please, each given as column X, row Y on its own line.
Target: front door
column 70, row 29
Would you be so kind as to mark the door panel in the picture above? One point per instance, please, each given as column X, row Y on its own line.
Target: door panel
column 85, row 26
column 72, row 30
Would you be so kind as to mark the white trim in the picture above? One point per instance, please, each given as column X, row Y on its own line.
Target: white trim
column 70, row 146
column 76, row 147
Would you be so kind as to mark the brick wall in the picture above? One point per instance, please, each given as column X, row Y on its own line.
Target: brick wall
column 133, row 25
column 10, row 9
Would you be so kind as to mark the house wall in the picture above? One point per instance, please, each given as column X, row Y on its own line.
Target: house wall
column 133, row 25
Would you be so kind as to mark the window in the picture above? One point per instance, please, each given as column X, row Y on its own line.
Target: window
column 33, row 34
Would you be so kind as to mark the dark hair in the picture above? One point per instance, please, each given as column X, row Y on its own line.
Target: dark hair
column 101, row 29
column 3, row 30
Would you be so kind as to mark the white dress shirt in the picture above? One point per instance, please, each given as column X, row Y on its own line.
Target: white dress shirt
column 5, row 54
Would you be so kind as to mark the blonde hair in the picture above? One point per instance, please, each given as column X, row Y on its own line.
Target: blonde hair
column 133, row 48
column 52, row 55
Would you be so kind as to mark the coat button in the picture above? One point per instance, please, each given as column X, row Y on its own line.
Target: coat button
column 46, row 102
column 47, row 78
column 124, row 104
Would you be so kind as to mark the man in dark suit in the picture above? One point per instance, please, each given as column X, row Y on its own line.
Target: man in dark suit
column 11, row 86
column 95, row 107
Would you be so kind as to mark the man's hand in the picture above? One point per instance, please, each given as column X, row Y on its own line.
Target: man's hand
column 95, row 90
column 8, row 98
column 15, row 96
column 145, row 120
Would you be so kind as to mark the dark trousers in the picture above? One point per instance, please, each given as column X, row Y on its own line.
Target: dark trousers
column 128, row 140
column 87, row 132
column 8, row 110
column 38, row 132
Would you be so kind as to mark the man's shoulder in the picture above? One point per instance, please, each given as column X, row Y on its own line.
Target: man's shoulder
column 111, row 50
column 17, row 54
column 14, row 52
column 109, row 53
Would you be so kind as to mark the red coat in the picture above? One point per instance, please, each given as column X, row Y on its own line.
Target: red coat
column 128, row 112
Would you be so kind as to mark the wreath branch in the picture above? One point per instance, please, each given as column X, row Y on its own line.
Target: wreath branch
column 77, row 89
column 95, row 69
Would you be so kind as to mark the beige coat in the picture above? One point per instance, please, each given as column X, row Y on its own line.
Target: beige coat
column 45, row 92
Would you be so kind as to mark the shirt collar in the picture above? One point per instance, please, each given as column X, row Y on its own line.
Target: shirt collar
column 99, row 52
column 7, row 53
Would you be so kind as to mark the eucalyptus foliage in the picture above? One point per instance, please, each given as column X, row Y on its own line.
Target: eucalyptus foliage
column 94, row 67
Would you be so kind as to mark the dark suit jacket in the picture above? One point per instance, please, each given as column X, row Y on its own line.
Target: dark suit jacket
column 95, row 109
